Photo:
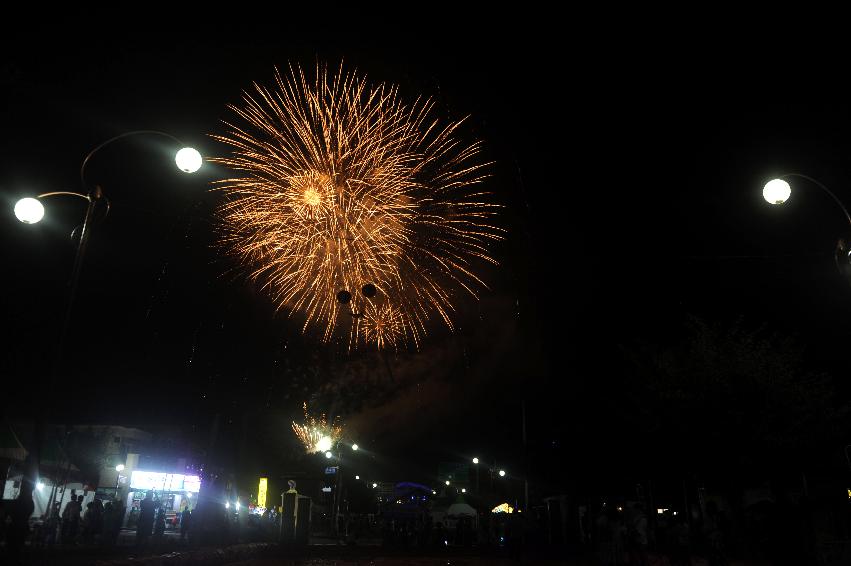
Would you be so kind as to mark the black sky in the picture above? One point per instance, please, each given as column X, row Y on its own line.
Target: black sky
column 631, row 167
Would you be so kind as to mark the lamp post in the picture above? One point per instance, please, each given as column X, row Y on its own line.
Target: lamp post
column 118, row 469
column 777, row 192
column 476, row 463
column 30, row 211
column 338, row 495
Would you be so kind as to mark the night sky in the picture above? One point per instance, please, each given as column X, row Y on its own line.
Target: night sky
column 630, row 167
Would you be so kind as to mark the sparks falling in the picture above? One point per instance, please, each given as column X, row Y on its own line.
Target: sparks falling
column 316, row 434
column 340, row 184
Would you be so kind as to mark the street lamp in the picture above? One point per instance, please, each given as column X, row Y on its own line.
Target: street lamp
column 338, row 494
column 777, row 191
column 188, row 160
column 31, row 211
column 476, row 462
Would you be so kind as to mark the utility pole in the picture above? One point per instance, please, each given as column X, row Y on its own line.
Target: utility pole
column 525, row 461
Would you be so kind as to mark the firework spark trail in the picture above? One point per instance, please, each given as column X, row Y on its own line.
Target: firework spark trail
column 341, row 184
column 314, row 431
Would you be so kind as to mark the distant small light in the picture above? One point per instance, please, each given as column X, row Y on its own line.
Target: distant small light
column 463, row 490
column 119, row 468
column 354, row 446
column 475, row 460
column 447, row 482
column 433, row 492
column 357, row 477
column 188, row 160
column 502, row 473
column 227, row 505
column 374, row 485
column 328, row 454
column 39, row 486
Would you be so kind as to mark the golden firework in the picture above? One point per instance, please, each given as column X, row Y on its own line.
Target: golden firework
column 316, row 434
column 382, row 325
column 340, row 184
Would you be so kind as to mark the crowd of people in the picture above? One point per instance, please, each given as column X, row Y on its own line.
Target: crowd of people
column 151, row 520
column 99, row 523
column 623, row 536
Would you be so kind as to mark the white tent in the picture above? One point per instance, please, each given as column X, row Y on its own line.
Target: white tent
column 460, row 510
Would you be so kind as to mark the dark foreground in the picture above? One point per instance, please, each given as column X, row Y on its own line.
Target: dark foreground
column 268, row 554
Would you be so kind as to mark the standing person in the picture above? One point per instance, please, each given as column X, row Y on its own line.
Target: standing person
column 88, row 519
column 638, row 540
column 118, row 521
column 71, row 519
column 185, row 519
column 97, row 520
column 609, row 537
column 714, row 536
column 145, row 524
column 159, row 524
column 678, row 542
column 51, row 524
column 108, row 521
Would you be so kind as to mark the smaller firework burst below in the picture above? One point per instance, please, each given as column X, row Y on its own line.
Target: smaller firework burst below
column 383, row 326
column 316, row 434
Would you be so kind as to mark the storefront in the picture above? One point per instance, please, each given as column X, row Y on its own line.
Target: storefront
column 173, row 492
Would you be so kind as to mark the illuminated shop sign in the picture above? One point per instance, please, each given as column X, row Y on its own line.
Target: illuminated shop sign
column 261, row 492
column 159, row 481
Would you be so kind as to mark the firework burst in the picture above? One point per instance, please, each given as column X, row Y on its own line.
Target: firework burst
column 340, row 184
column 316, row 434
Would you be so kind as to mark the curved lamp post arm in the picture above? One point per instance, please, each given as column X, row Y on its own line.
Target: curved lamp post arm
column 68, row 193
column 116, row 138
column 95, row 195
column 825, row 189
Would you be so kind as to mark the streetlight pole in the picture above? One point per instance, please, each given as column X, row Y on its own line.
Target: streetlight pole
column 476, row 463
column 30, row 211
column 338, row 491
column 777, row 192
